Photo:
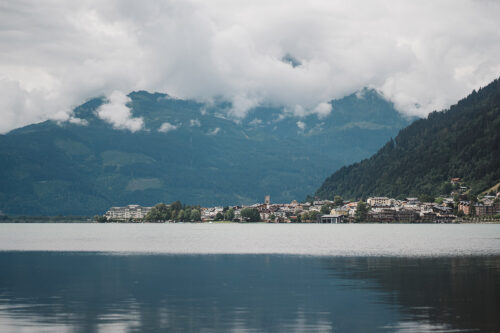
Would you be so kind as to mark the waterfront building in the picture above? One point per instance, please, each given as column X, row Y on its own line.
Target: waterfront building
column 127, row 212
column 330, row 218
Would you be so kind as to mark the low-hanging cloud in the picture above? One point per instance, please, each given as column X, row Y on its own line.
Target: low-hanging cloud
column 422, row 55
column 116, row 112
column 167, row 127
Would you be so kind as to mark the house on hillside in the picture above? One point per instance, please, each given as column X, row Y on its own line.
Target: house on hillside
column 379, row 202
column 464, row 207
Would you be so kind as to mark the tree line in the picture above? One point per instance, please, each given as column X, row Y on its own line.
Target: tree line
column 176, row 211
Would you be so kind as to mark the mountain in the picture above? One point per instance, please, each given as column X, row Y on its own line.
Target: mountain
column 463, row 142
column 204, row 157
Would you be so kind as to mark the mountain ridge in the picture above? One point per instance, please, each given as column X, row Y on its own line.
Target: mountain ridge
column 208, row 159
column 462, row 141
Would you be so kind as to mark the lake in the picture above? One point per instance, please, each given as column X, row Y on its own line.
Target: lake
column 249, row 278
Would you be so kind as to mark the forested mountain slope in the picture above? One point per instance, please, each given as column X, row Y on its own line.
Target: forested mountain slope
column 201, row 157
column 463, row 141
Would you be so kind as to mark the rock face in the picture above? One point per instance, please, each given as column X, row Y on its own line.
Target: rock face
column 187, row 151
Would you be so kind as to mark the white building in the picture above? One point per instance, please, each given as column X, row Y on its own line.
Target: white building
column 127, row 212
column 379, row 201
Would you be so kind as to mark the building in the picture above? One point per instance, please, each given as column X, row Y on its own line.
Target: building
column 412, row 201
column 379, row 201
column 330, row 219
column 464, row 206
column 268, row 200
column 128, row 212
column 406, row 215
column 340, row 211
column 482, row 209
column 382, row 215
column 428, row 217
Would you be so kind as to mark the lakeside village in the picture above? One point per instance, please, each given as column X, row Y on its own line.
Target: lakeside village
column 459, row 207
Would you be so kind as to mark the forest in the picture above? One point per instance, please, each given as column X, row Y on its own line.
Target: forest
column 463, row 141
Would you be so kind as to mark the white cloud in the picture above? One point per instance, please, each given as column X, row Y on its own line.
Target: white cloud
column 322, row 110
column 214, row 131
column 167, row 127
column 301, row 125
column 297, row 111
column 255, row 122
column 78, row 121
column 117, row 113
column 194, row 123
column 422, row 55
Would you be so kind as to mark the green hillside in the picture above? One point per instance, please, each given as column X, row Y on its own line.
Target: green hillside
column 463, row 141
column 69, row 169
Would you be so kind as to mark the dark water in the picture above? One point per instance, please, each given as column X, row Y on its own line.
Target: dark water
column 89, row 292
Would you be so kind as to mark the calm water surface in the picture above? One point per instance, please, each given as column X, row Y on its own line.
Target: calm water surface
column 249, row 278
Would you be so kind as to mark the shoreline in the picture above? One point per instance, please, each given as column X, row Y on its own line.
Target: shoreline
column 242, row 223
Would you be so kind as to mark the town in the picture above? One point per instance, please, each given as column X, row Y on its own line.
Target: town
column 446, row 209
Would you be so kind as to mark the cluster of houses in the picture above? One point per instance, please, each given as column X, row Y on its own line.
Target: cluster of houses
column 379, row 209
column 487, row 206
column 268, row 212
column 410, row 210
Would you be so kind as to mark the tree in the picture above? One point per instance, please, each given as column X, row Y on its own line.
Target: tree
column 325, row 209
column 313, row 215
column 250, row 215
column 229, row 214
column 97, row 218
column 338, row 201
column 445, row 187
column 426, row 198
column 180, row 215
column 361, row 212
column 219, row 217
column 176, row 205
column 304, row 217
column 195, row 215
column 160, row 212
column 187, row 213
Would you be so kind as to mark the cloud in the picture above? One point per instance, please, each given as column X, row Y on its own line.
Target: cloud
column 301, row 125
column 422, row 55
column 255, row 122
column 78, row 121
column 322, row 110
column 167, row 127
column 213, row 131
column 117, row 113
column 194, row 123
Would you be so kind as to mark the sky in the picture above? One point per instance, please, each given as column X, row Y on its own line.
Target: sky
column 421, row 55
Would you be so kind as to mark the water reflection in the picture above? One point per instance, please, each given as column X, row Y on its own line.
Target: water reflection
column 457, row 293
column 246, row 293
